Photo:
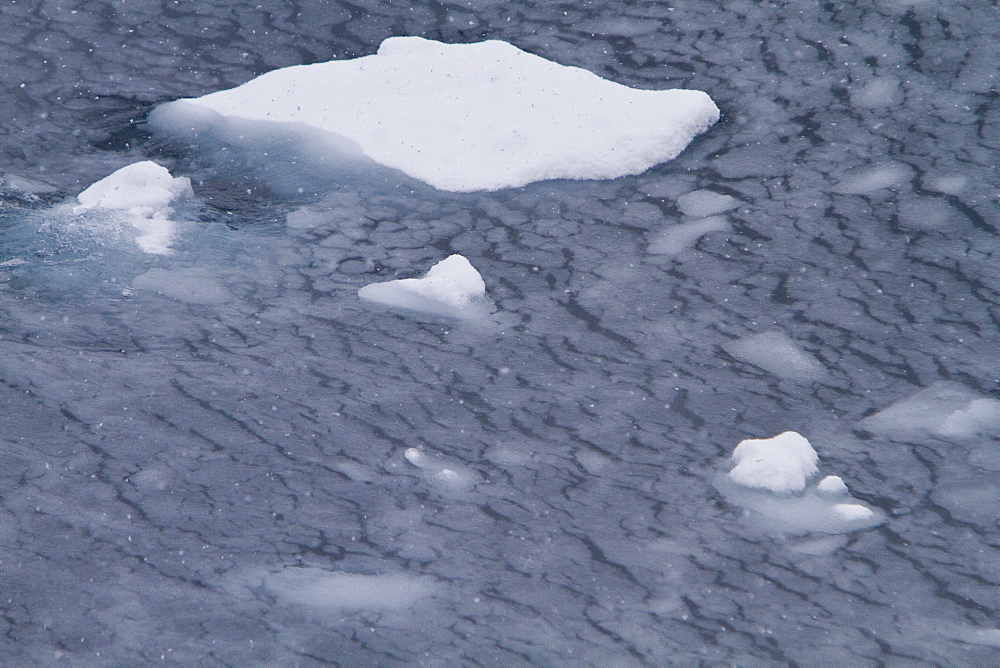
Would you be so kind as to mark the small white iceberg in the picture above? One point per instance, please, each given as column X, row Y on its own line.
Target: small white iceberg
column 144, row 191
column 770, row 478
column 460, row 117
column 452, row 289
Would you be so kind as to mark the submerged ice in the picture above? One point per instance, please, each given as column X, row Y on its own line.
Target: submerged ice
column 144, row 192
column 461, row 117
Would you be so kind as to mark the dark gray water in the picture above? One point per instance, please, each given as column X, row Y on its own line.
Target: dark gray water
column 169, row 463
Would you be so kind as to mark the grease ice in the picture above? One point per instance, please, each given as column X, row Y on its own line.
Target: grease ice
column 461, row 117
column 144, row 191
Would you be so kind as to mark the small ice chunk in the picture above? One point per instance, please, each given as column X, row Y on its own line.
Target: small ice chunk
column 780, row 464
column 679, row 238
column 945, row 409
column 776, row 353
column 702, row 203
column 451, row 288
column 331, row 590
column 448, row 475
column 871, row 179
column 460, row 117
column 832, row 485
column 144, row 191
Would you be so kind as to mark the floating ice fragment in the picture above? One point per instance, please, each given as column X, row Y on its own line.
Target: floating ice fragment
column 439, row 470
column 145, row 192
column 949, row 185
column 832, row 485
column 452, row 288
column 853, row 511
column 461, row 117
column 945, row 409
column 702, row 203
column 878, row 92
column 678, row 238
column 779, row 464
column 871, row 179
column 330, row 590
column 770, row 478
column 778, row 354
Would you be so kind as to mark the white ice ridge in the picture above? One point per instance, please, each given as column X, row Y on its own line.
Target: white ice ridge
column 145, row 192
column 460, row 117
column 771, row 478
column 452, row 288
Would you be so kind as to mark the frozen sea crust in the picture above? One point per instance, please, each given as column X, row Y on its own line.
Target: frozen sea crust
column 770, row 478
column 452, row 289
column 144, row 191
column 460, row 117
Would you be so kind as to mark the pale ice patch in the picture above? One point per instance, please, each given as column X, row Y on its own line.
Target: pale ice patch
column 770, row 478
column 926, row 214
column 452, row 288
column 952, row 184
column 877, row 92
column 702, row 203
column 678, row 238
column 461, row 117
column 442, row 471
column 778, row 354
column 946, row 409
column 872, row 179
column 333, row 590
column 144, row 191
column 194, row 285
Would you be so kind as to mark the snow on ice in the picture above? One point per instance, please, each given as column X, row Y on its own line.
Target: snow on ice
column 144, row 191
column 460, row 117
column 770, row 478
column 452, row 288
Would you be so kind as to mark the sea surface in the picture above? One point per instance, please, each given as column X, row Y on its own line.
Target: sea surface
column 222, row 456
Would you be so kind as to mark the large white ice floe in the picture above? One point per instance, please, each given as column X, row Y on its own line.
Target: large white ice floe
column 144, row 192
column 460, row 117
column 946, row 410
column 452, row 288
column 773, row 479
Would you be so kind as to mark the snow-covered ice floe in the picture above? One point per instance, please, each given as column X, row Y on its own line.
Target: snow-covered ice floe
column 460, row 117
column 144, row 192
column 946, row 410
column 772, row 478
column 451, row 289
